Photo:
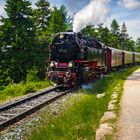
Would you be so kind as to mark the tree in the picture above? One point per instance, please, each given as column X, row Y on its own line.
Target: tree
column 137, row 45
column 42, row 15
column 4, row 70
column 58, row 20
column 114, row 27
column 18, row 38
column 130, row 45
column 104, row 35
column 90, row 31
column 124, row 31
column 124, row 36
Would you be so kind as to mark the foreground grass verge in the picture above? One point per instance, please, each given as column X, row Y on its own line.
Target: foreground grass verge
column 84, row 112
column 15, row 90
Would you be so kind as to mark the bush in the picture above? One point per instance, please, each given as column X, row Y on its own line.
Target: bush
column 32, row 75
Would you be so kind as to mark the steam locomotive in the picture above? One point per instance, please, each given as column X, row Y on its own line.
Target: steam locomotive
column 74, row 59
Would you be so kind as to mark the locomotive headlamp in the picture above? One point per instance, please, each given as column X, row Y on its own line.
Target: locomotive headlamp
column 70, row 65
column 56, row 64
column 61, row 36
column 51, row 64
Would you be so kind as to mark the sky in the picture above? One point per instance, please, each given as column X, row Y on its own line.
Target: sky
column 105, row 11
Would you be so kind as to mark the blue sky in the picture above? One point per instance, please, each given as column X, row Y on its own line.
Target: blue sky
column 127, row 11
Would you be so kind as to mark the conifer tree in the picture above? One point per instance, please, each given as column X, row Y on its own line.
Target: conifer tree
column 42, row 15
column 114, row 27
column 124, row 36
column 124, row 31
column 18, row 37
column 41, row 18
column 58, row 20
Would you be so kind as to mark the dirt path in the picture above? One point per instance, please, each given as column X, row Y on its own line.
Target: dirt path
column 129, row 123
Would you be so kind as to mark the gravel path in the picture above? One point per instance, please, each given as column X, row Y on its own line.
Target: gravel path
column 129, row 122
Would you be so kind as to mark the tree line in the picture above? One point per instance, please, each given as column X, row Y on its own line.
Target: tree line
column 116, row 36
column 26, row 32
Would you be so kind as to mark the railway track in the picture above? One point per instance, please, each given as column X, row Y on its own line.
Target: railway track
column 15, row 111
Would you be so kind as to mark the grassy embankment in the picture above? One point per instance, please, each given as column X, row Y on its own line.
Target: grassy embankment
column 84, row 112
column 15, row 90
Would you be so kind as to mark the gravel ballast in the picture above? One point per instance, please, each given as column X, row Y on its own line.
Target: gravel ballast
column 19, row 130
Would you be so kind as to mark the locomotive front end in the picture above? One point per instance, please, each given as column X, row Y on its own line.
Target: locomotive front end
column 61, row 73
column 63, row 50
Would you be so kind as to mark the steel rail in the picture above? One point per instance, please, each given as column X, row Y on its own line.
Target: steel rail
column 7, row 106
column 13, row 117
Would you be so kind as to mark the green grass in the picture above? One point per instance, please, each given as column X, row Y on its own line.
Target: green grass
column 15, row 90
column 81, row 119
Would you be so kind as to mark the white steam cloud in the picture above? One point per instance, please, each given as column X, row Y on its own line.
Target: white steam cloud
column 96, row 12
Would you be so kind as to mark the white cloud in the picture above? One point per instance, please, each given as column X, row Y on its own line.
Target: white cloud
column 133, row 28
column 96, row 12
column 130, row 4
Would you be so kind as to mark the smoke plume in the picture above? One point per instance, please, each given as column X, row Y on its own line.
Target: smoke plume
column 96, row 12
